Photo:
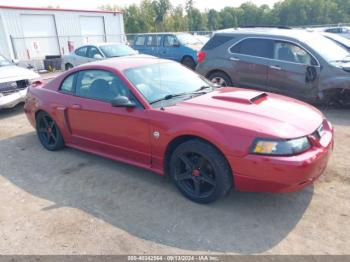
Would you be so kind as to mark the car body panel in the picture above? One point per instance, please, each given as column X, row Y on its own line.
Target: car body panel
column 228, row 118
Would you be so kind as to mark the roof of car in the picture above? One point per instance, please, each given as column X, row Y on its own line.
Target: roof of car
column 126, row 62
column 162, row 33
column 299, row 34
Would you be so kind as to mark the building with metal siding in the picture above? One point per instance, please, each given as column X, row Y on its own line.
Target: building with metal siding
column 30, row 34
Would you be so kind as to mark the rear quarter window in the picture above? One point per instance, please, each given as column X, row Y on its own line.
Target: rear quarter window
column 67, row 85
column 257, row 47
column 216, row 41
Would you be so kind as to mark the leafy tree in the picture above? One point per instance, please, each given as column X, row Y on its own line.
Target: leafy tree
column 159, row 15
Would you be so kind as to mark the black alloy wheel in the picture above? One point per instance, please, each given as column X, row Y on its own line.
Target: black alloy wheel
column 48, row 132
column 200, row 172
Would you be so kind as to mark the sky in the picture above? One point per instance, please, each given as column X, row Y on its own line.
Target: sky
column 92, row 4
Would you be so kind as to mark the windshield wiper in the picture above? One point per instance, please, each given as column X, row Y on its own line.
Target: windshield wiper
column 168, row 97
column 199, row 91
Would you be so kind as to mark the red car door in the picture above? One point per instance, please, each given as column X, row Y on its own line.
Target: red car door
column 95, row 125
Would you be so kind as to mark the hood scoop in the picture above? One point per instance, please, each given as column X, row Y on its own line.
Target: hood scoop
column 243, row 97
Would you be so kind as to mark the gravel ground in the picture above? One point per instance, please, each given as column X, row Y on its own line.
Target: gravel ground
column 71, row 202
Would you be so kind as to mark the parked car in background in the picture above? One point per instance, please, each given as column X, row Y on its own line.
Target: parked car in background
column 14, row 81
column 181, row 47
column 92, row 52
column 297, row 63
column 207, row 140
column 340, row 40
column 339, row 30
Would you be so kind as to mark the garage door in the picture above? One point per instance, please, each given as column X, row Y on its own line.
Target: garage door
column 40, row 35
column 92, row 29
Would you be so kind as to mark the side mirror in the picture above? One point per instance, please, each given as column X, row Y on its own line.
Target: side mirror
column 122, row 101
column 15, row 61
column 176, row 44
column 98, row 57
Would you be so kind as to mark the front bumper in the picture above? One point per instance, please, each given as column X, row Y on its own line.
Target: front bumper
column 255, row 173
column 11, row 100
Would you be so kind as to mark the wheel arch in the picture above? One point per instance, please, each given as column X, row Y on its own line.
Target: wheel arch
column 217, row 71
column 187, row 56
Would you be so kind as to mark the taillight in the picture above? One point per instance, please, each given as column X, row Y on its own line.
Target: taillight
column 201, row 56
column 36, row 83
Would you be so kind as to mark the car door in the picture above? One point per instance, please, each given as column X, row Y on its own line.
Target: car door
column 293, row 70
column 80, row 56
column 249, row 61
column 95, row 125
column 170, row 48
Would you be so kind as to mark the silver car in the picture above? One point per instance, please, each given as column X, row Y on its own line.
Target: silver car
column 14, row 81
column 93, row 52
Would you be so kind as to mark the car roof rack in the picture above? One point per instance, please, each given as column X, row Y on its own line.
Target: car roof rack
column 266, row 26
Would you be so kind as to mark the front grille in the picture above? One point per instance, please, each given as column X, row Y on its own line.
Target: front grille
column 13, row 86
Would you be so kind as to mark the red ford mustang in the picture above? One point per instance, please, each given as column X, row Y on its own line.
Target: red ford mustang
column 158, row 115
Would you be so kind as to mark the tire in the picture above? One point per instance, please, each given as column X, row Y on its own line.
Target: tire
column 220, row 78
column 68, row 66
column 48, row 132
column 188, row 62
column 200, row 171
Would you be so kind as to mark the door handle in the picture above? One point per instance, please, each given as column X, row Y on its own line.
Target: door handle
column 234, row 59
column 75, row 106
column 275, row 67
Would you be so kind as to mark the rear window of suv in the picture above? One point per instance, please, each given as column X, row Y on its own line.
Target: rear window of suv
column 254, row 47
column 216, row 41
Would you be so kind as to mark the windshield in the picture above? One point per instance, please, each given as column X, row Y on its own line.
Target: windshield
column 117, row 50
column 339, row 39
column 4, row 61
column 322, row 45
column 187, row 39
column 163, row 79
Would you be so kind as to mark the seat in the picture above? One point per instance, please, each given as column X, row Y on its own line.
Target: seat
column 284, row 53
column 100, row 89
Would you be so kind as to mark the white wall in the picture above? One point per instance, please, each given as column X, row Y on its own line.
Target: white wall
column 67, row 25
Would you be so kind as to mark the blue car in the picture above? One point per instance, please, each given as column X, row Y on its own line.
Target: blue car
column 181, row 47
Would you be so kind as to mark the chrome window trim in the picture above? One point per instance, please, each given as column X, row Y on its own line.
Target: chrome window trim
column 274, row 39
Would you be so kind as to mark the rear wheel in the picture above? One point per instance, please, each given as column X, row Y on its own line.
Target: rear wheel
column 200, row 171
column 188, row 62
column 48, row 132
column 68, row 66
column 220, row 78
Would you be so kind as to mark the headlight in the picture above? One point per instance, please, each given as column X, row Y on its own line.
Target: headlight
column 280, row 147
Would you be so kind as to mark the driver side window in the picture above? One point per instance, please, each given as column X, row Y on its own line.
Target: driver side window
column 101, row 85
column 289, row 52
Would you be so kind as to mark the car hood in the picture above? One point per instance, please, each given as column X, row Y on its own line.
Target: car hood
column 14, row 73
column 195, row 47
column 254, row 112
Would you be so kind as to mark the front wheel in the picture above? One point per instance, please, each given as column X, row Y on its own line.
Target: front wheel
column 48, row 132
column 188, row 62
column 200, row 171
column 68, row 66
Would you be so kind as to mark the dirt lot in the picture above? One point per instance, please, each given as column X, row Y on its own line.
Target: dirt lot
column 70, row 202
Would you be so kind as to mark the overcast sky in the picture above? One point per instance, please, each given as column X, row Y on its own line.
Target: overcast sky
column 92, row 4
